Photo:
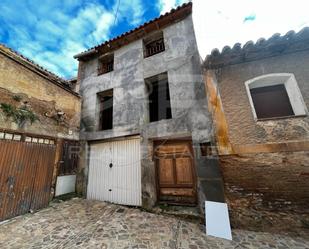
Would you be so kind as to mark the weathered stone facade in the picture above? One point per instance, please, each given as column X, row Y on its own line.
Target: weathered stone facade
column 190, row 118
column 45, row 98
column 264, row 162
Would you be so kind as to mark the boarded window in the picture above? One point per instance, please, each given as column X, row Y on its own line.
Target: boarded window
column 159, row 98
column 106, row 110
column 106, row 64
column 154, row 44
column 271, row 101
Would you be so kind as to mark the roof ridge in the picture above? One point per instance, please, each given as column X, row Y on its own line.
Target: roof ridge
column 250, row 46
column 33, row 63
column 35, row 67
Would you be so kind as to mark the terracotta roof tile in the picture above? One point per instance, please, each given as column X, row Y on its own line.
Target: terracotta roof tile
column 275, row 45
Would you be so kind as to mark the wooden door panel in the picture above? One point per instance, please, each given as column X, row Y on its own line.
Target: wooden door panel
column 184, row 171
column 166, row 171
column 177, row 191
column 172, row 149
column 176, row 175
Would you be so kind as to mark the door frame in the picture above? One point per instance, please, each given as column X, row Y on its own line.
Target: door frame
column 194, row 174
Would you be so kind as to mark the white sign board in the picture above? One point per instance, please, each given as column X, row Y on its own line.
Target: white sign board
column 65, row 184
column 217, row 220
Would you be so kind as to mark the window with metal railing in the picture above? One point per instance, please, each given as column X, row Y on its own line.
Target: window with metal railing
column 154, row 44
column 106, row 64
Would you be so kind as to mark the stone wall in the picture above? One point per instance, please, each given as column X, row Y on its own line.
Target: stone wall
column 43, row 97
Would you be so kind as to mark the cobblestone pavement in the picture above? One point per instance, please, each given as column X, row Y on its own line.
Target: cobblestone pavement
column 80, row 223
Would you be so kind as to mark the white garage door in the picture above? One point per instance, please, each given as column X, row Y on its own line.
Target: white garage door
column 115, row 172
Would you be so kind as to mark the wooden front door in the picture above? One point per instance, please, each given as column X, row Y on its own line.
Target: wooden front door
column 175, row 172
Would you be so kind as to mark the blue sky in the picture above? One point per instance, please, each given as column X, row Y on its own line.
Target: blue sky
column 51, row 32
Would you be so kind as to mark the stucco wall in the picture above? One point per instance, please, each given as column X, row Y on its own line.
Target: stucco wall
column 242, row 127
column 182, row 63
column 44, row 99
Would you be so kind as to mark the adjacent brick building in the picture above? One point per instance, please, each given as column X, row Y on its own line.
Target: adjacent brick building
column 258, row 95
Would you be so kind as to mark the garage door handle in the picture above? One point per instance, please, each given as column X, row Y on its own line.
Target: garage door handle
column 109, row 190
column 110, row 165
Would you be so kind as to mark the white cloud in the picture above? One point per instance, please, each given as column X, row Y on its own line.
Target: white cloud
column 130, row 10
column 166, row 5
column 222, row 23
column 52, row 33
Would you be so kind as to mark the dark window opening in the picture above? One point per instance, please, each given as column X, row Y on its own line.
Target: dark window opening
column 154, row 44
column 69, row 158
column 159, row 98
column 106, row 110
column 206, row 149
column 271, row 102
column 106, row 64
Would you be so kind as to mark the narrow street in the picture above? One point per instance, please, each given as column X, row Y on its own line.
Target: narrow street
column 80, row 223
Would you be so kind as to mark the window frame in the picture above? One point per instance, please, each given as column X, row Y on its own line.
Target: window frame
column 105, row 64
column 289, row 81
column 100, row 96
column 157, row 37
column 157, row 81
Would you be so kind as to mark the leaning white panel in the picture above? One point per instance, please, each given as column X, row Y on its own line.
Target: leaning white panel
column 65, row 184
column 217, row 220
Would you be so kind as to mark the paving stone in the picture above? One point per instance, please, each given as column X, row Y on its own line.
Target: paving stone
column 80, row 223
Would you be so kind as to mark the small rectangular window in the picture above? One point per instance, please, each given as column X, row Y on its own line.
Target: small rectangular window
column 271, row 101
column 159, row 98
column 154, row 44
column 106, row 110
column 106, row 64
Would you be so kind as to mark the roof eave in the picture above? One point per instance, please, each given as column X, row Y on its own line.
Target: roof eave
column 85, row 54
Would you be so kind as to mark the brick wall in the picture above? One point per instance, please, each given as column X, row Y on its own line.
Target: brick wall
column 268, row 191
column 243, row 129
column 265, row 164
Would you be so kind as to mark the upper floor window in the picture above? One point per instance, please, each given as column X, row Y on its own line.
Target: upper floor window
column 106, row 64
column 275, row 96
column 154, row 44
column 159, row 98
column 106, row 110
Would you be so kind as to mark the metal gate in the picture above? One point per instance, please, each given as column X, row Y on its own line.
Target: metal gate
column 26, row 171
column 115, row 172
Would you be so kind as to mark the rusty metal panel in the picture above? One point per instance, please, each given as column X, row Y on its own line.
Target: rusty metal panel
column 43, row 179
column 25, row 169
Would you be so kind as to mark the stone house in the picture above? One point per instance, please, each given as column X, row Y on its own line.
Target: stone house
column 39, row 119
column 258, row 95
column 144, row 116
